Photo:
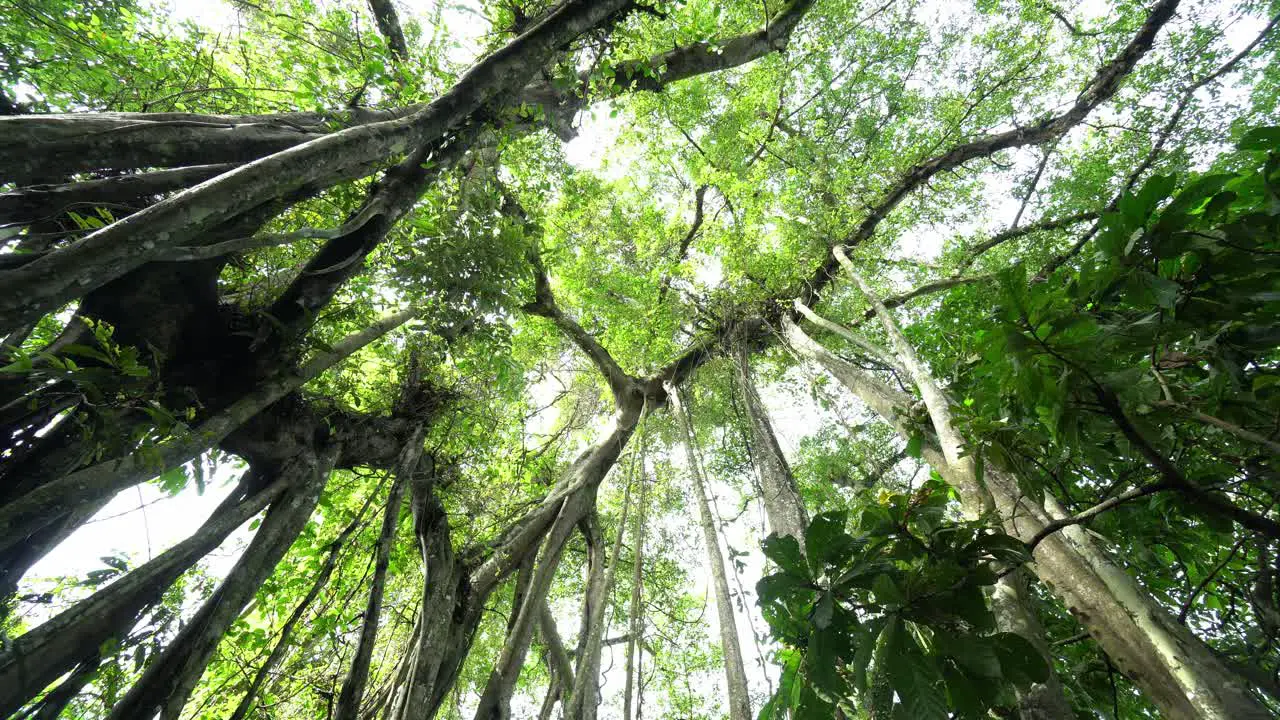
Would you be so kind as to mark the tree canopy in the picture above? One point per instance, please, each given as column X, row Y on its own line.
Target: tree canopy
column 626, row 358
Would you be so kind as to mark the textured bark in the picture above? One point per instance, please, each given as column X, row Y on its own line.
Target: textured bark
column 574, row 496
column 353, row 688
column 585, row 697
column 584, row 692
column 450, row 608
column 53, row 703
column 1042, row 701
column 1172, row 667
column 47, row 503
column 261, row 679
column 782, row 505
column 495, row 702
column 635, row 620
column 43, row 202
column 40, row 656
column 168, row 681
column 557, row 656
column 83, row 142
column 384, row 13
column 1011, row 604
column 101, row 256
column 734, row 669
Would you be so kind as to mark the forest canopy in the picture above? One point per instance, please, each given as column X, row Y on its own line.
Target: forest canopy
column 901, row 359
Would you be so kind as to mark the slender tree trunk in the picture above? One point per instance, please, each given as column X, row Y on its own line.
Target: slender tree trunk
column 449, row 613
column 1042, row 701
column 578, row 488
column 557, row 656
column 585, row 697
column 495, row 702
column 353, row 689
column 1011, row 604
column 167, row 683
column 53, row 703
column 262, row 677
column 40, row 656
column 584, row 689
column 735, row 671
column 549, row 702
column 635, row 622
column 782, row 505
column 1174, row 668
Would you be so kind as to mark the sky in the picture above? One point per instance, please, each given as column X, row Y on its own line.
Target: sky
column 140, row 522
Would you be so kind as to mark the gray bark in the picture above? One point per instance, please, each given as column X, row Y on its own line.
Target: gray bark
column 635, row 621
column 1173, row 668
column 782, row 505
column 167, row 683
column 585, row 697
column 40, row 656
column 449, row 611
column 353, row 688
column 101, row 256
column 575, row 497
column 261, row 679
column 34, row 510
column 33, row 203
column 734, row 669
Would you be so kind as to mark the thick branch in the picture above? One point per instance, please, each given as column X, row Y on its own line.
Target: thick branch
column 384, row 12
column 1214, row 502
column 39, row 202
column 106, row 254
column 1100, row 88
column 544, row 305
column 1096, row 510
column 46, row 503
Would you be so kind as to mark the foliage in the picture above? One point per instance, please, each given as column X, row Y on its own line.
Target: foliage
column 893, row 608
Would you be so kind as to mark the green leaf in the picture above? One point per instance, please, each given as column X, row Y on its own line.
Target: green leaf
column 1262, row 138
column 1019, row 659
column 915, row 445
column 822, row 611
column 916, row 680
column 821, row 663
column 887, row 591
column 825, row 540
column 962, row 693
column 173, row 480
column 784, row 551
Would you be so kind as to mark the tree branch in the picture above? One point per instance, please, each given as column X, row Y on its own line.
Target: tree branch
column 384, row 12
column 622, row 385
column 1100, row 88
column 1095, row 511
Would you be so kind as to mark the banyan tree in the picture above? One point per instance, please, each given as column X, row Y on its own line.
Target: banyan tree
column 627, row 358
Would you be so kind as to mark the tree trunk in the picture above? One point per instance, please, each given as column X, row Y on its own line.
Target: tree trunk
column 1174, row 668
column 578, row 488
column 167, row 683
column 262, row 677
column 45, row 504
column 734, row 669
column 585, row 696
column 37, row 658
column 53, row 703
column 449, row 613
column 584, row 688
column 782, row 505
column 635, row 621
column 358, row 677
column 1042, row 701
